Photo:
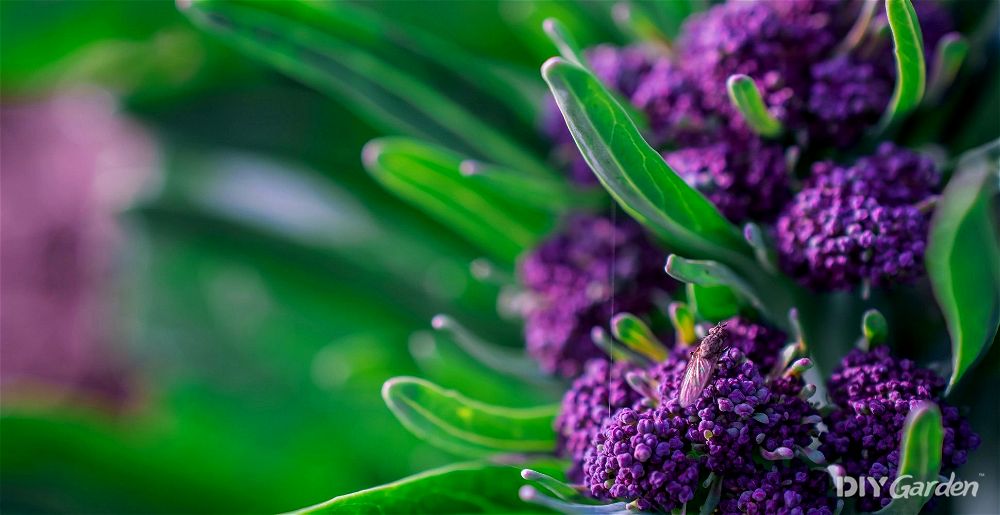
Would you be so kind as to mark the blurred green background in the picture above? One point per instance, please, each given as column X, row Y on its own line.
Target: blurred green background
column 246, row 297
column 203, row 290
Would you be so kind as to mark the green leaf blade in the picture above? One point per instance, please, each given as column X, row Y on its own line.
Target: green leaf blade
column 460, row 425
column 911, row 67
column 635, row 174
column 963, row 262
column 342, row 67
column 920, row 455
column 431, row 178
column 745, row 96
column 474, row 487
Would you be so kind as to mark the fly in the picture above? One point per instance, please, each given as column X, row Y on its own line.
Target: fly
column 701, row 364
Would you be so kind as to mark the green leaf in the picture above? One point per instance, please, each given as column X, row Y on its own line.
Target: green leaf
column 636, row 22
column 683, row 321
column 399, row 42
column 874, row 327
column 635, row 174
column 951, row 52
column 745, row 96
column 476, row 487
column 911, row 70
column 713, row 274
column 963, row 261
column 637, row 336
column 457, row 424
column 713, row 303
column 920, row 455
column 387, row 96
column 564, row 42
column 544, row 193
column 431, row 179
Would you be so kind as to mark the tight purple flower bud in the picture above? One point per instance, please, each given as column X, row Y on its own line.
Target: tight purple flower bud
column 643, row 458
column 592, row 399
column 744, row 176
column 760, row 342
column 874, row 392
column 579, row 278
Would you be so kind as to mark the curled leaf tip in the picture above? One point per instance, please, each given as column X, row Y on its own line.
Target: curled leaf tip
column 746, row 98
column 874, row 328
column 441, row 322
column 371, row 153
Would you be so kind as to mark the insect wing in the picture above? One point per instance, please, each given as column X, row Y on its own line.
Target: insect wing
column 696, row 376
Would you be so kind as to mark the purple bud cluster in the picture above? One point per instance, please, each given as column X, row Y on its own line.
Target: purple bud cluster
column 643, row 457
column 846, row 97
column 592, row 399
column 858, row 223
column 745, row 177
column 578, row 279
column 654, row 457
column 874, row 392
column 760, row 342
column 739, row 411
column 774, row 47
column 785, row 490
column 848, row 92
column 675, row 108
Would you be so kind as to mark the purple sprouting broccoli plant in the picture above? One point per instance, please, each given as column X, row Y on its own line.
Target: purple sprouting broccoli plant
column 759, row 113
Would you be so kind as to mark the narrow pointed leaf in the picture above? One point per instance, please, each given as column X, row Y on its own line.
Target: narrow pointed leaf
column 951, row 52
column 633, row 20
column 430, row 178
column 385, row 95
column 564, row 42
column 713, row 303
column 474, row 487
column 711, row 274
column 920, row 455
column 635, row 174
column 745, row 96
column 874, row 327
column 406, row 41
column 911, row 69
column 637, row 336
column 543, row 193
column 683, row 321
column 501, row 359
column 963, row 261
column 448, row 420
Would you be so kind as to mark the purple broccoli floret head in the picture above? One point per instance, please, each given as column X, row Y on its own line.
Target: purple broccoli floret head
column 859, row 223
column 874, row 392
column 591, row 400
column 579, row 278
